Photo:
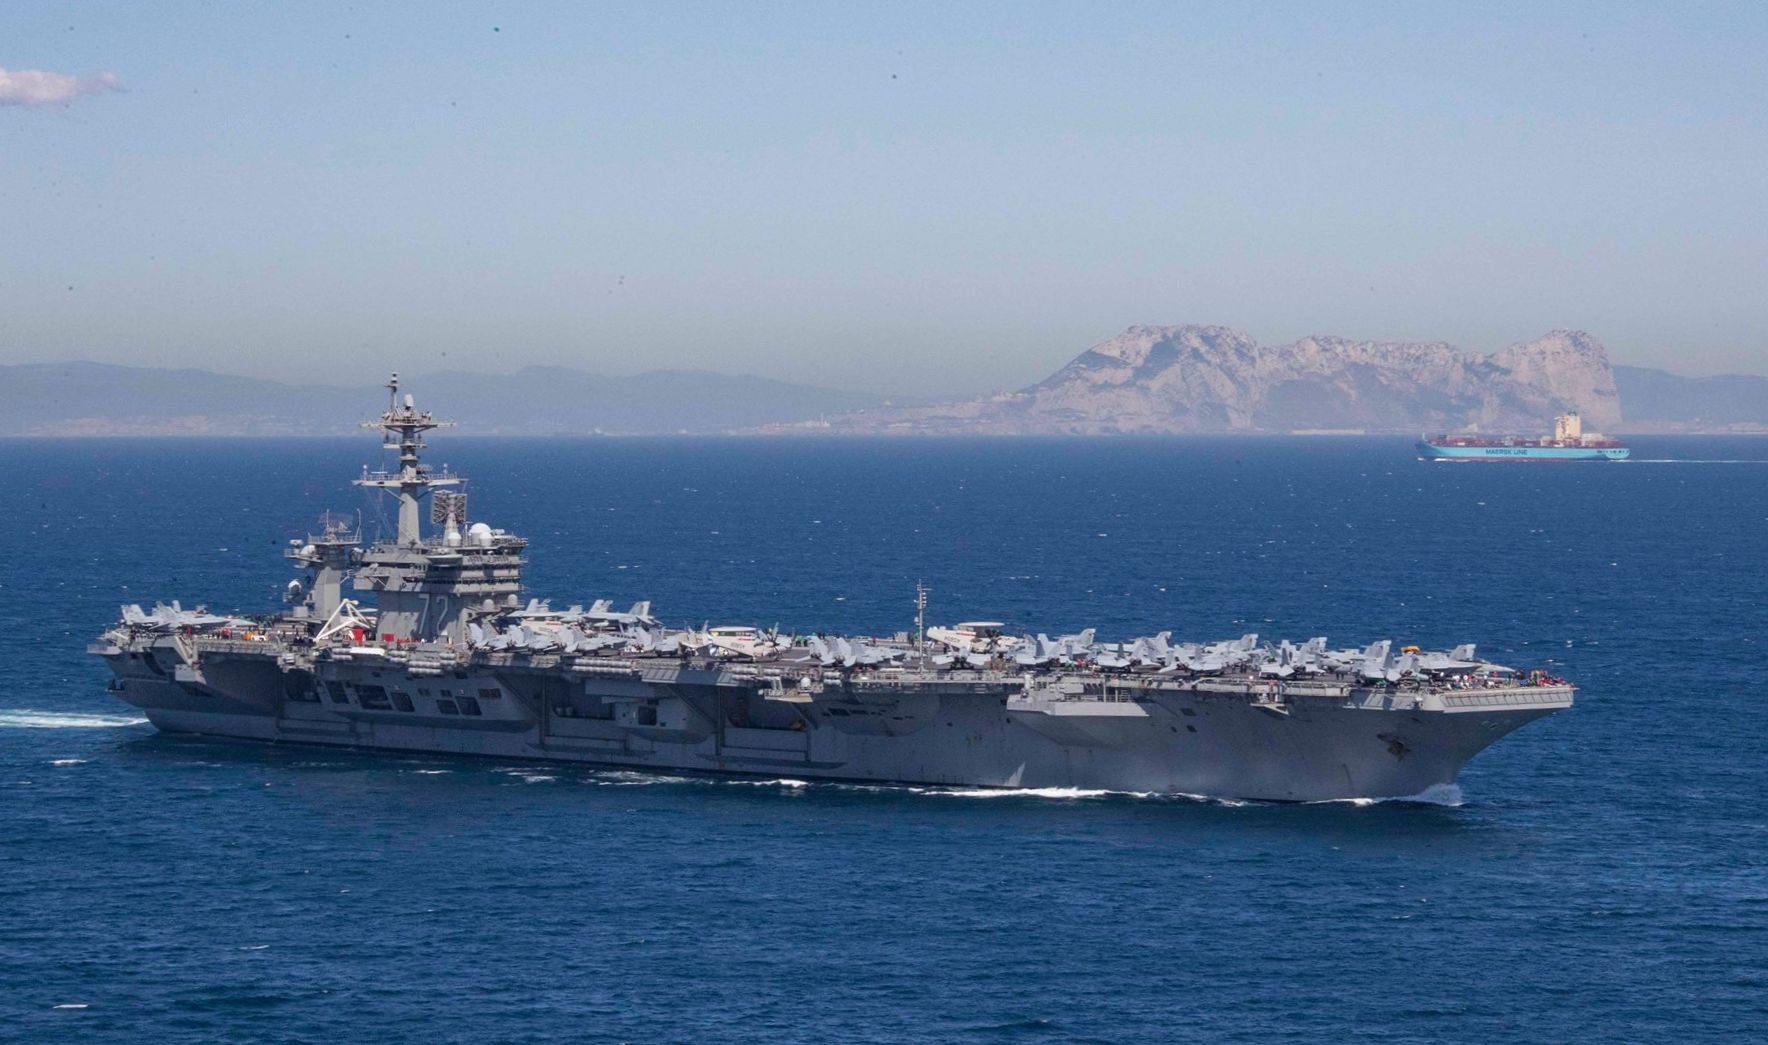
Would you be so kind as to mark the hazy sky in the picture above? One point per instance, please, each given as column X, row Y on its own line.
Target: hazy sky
column 915, row 198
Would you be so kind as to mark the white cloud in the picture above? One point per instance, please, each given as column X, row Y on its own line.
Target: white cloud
column 37, row 87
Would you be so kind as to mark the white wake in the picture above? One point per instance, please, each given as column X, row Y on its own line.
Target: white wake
column 1019, row 792
column 1447, row 795
column 26, row 719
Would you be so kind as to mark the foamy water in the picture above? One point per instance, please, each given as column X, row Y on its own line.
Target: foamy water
column 27, row 719
column 1448, row 795
column 1015, row 792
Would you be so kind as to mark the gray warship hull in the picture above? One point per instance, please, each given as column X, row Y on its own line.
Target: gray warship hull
column 981, row 729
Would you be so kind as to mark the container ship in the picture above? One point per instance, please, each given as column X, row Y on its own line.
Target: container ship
column 1569, row 442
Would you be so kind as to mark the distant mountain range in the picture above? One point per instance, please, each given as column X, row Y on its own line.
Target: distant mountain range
column 1147, row 379
column 101, row 399
column 1660, row 401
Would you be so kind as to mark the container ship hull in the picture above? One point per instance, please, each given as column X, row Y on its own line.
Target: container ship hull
column 1433, row 452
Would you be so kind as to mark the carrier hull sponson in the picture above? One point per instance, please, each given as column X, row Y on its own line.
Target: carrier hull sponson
column 1251, row 740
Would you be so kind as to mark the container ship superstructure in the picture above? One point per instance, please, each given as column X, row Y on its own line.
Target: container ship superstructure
column 428, row 643
column 1569, row 442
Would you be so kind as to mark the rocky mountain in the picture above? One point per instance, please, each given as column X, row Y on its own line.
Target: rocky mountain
column 101, row 399
column 1215, row 379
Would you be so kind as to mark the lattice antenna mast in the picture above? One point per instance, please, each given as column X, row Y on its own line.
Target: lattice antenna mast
column 404, row 427
column 921, row 594
column 449, row 511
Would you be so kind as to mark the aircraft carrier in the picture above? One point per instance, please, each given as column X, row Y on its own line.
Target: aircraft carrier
column 428, row 643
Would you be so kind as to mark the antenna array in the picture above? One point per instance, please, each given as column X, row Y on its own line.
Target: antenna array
column 448, row 508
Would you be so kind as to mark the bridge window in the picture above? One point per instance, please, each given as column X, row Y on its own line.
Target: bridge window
column 338, row 693
column 447, row 707
column 402, row 702
column 468, row 706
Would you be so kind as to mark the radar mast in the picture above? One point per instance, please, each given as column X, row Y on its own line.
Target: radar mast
column 921, row 594
column 405, row 426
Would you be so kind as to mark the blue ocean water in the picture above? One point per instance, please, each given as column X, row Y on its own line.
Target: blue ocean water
column 1602, row 877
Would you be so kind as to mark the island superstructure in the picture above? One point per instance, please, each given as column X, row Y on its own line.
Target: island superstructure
column 427, row 642
column 1569, row 442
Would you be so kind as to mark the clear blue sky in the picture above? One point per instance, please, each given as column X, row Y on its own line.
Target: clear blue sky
column 915, row 198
